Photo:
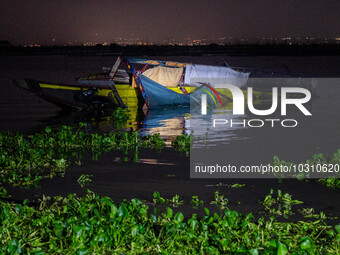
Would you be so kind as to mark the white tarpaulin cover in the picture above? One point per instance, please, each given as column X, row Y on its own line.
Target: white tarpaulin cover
column 216, row 76
column 165, row 76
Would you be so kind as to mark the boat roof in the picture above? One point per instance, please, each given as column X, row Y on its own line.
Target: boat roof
column 156, row 62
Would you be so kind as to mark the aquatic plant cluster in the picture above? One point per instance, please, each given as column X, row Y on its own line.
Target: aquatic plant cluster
column 25, row 160
column 281, row 205
column 183, row 143
column 331, row 182
column 319, row 159
column 120, row 116
column 97, row 225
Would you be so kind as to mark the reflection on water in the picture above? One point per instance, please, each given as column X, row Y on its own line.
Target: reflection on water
column 314, row 134
column 168, row 122
column 319, row 133
column 174, row 121
column 208, row 135
column 25, row 112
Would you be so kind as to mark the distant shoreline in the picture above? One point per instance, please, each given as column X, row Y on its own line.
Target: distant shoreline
column 169, row 50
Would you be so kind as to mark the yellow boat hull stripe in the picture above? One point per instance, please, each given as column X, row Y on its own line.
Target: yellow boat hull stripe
column 51, row 86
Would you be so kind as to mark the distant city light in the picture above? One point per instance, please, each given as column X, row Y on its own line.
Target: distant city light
column 188, row 41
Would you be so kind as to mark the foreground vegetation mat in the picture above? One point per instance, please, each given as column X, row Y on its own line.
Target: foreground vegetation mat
column 25, row 160
column 97, row 225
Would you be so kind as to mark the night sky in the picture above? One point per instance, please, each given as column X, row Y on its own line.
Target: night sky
column 84, row 20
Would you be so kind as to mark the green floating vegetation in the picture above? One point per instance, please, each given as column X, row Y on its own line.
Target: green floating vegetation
column 310, row 213
column 183, row 143
column 319, row 163
column 84, row 179
column 120, row 117
column 220, row 200
column 97, row 225
column 317, row 159
column 237, row 185
column 3, row 193
column 331, row 182
column 279, row 205
column 25, row 160
column 175, row 201
column 196, row 202
column 154, row 142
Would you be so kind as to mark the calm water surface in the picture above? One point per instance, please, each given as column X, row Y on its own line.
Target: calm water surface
column 25, row 112
column 168, row 172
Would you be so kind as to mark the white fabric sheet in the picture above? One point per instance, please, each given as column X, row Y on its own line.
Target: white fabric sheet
column 216, row 76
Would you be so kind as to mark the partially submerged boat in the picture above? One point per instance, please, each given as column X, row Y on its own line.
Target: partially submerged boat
column 84, row 96
column 148, row 83
column 171, row 83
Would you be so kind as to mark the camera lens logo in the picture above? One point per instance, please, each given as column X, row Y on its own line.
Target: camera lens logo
column 204, row 98
column 239, row 100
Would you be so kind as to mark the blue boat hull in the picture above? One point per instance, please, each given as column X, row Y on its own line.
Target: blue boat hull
column 158, row 95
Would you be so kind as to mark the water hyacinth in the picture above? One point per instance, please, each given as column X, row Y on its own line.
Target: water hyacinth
column 97, row 225
column 25, row 160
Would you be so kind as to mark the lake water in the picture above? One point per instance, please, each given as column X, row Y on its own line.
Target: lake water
column 168, row 172
column 25, row 112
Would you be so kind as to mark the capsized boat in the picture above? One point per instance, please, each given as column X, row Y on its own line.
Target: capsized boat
column 148, row 83
column 171, row 83
column 103, row 95
column 163, row 83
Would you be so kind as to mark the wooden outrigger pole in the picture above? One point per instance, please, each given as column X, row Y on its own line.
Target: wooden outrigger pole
column 112, row 85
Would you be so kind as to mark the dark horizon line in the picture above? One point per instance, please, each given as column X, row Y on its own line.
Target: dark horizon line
column 5, row 44
column 184, row 42
column 171, row 50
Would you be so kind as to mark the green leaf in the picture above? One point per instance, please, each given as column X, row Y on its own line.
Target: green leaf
column 272, row 244
column 254, row 252
column 338, row 238
column 337, row 228
column 153, row 218
column 122, row 211
column 306, row 243
column 224, row 242
column 179, row 217
column 96, row 212
column 12, row 246
column 38, row 251
column 82, row 252
column 78, row 230
column 193, row 224
column 169, row 212
column 282, row 249
column 100, row 238
column 113, row 211
column 331, row 233
column 134, row 231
